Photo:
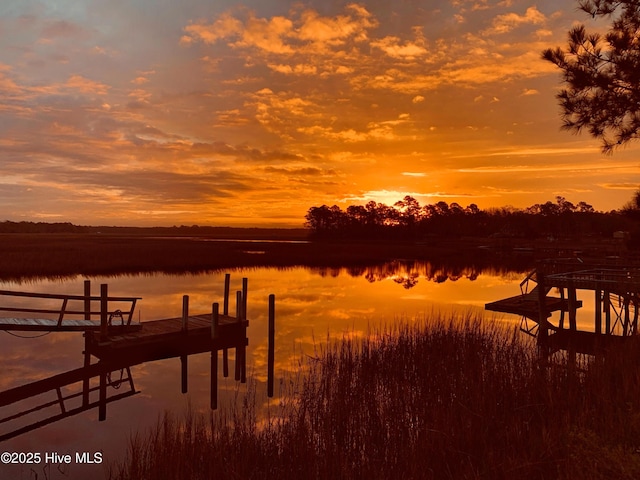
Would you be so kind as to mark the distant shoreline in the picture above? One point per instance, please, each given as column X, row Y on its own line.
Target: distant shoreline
column 23, row 227
column 29, row 256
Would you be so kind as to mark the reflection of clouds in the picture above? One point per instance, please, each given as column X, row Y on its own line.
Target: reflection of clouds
column 346, row 314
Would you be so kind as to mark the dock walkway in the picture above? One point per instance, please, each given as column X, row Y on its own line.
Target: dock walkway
column 118, row 343
column 169, row 338
column 616, row 293
column 528, row 305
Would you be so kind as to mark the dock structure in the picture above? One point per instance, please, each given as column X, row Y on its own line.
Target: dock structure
column 34, row 319
column 117, row 342
column 616, row 293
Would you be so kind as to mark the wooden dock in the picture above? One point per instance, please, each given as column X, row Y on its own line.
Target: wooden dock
column 50, row 392
column 48, row 325
column 117, row 342
column 616, row 292
column 528, row 305
column 167, row 338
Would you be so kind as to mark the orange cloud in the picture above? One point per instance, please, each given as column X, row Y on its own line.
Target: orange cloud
column 306, row 31
column 509, row 21
column 392, row 46
column 86, row 85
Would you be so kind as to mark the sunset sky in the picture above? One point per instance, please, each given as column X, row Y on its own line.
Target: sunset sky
column 219, row 112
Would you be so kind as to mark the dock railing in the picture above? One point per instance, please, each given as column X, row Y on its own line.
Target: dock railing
column 105, row 314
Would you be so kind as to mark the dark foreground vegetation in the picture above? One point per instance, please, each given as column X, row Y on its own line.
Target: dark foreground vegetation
column 443, row 401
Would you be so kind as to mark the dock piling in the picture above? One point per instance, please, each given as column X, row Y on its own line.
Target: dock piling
column 543, row 325
column 185, row 313
column 104, row 311
column 607, row 313
column 125, row 345
column 214, row 356
column 572, row 296
column 87, row 299
column 245, row 288
column 184, row 359
column 225, row 311
column 238, row 362
column 271, row 351
column 598, row 308
column 225, row 305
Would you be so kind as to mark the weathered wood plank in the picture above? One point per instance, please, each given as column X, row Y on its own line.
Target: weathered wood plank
column 166, row 338
column 49, row 325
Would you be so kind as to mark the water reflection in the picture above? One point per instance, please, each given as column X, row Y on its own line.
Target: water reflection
column 409, row 273
column 36, row 404
column 313, row 306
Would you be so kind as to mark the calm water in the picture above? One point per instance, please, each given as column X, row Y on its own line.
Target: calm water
column 311, row 307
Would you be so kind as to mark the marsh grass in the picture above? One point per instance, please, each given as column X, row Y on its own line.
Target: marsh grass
column 58, row 255
column 444, row 400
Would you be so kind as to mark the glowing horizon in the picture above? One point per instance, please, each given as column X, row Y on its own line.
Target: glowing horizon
column 249, row 113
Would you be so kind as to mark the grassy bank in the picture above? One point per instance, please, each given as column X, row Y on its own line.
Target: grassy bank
column 443, row 401
column 26, row 256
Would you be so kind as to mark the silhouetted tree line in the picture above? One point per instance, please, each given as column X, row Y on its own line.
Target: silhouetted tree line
column 40, row 227
column 407, row 219
column 9, row 226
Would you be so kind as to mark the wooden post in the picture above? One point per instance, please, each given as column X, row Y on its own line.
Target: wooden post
column 238, row 347
column 243, row 347
column 238, row 306
column 214, row 356
column 185, row 313
column 598, row 326
column 225, row 311
column 543, row 333
column 561, row 321
column 215, row 318
column 87, row 299
column 184, row 359
column 104, row 311
column 272, row 339
column 607, row 312
column 571, row 293
column 225, row 305
column 627, row 319
column 245, row 288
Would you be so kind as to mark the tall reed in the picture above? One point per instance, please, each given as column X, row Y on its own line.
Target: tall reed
column 445, row 400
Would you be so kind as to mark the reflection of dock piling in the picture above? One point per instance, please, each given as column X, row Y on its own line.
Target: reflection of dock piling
column 64, row 403
column 616, row 293
column 117, row 342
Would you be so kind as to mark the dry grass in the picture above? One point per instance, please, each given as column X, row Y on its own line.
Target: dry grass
column 442, row 401
column 58, row 255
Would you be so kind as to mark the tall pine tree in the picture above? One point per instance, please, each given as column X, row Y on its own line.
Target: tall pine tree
column 602, row 74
